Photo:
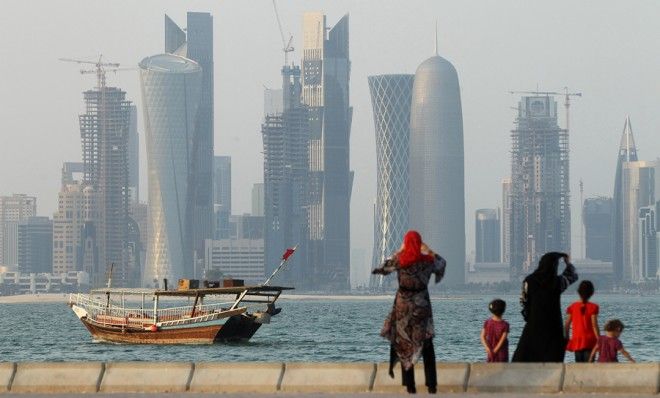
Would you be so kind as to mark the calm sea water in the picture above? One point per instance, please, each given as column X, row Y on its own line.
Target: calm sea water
column 308, row 330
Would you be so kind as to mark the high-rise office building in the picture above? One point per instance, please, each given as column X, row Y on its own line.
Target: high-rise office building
column 222, row 195
column 286, row 141
column 35, row 245
column 507, row 211
column 75, row 240
column 196, row 43
column 258, row 204
column 437, row 186
column 171, row 93
column 540, row 184
column 390, row 101
column 638, row 190
column 13, row 210
column 325, row 90
column 133, row 157
column 597, row 219
column 627, row 153
column 487, row 236
column 104, row 132
column 648, row 244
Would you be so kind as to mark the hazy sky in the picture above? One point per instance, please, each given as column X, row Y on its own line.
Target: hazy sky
column 606, row 49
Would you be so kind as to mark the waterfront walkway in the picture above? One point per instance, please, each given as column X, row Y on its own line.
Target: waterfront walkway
column 311, row 379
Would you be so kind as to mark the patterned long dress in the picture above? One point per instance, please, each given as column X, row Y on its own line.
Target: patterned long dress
column 410, row 322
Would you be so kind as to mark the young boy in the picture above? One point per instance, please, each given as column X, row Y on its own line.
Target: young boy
column 609, row 344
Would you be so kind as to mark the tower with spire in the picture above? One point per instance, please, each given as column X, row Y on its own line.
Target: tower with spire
column 627, row 153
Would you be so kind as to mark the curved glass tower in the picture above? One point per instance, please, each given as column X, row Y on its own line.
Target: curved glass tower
column 171, row 93
column 437, row 199
column 390, row 99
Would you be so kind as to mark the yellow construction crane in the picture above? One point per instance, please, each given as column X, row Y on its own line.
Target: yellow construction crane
column 567, row 99
column 287, row 47
column 100, row 68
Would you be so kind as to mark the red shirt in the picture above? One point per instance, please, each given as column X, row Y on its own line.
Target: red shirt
column 582, row 334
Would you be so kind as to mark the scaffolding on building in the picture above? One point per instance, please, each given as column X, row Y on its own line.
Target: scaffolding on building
column 540, row 183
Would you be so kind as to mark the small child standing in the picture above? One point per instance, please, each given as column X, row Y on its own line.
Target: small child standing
column 494, row 335
column 583, row 317
column 609, row 344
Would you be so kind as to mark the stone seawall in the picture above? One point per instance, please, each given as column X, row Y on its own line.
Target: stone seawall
column 299, row 377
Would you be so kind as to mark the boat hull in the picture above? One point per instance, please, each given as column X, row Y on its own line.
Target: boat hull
column 236, row 328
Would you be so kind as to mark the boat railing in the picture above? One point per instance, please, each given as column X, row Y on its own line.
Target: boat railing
column 108, row 312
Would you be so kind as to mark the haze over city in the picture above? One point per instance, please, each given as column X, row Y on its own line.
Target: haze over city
column 602, row 49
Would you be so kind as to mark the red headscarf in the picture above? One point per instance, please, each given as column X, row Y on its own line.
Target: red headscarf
column 412, row 243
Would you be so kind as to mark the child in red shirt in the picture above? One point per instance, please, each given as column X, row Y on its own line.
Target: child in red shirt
column 495, row 332
column 609, row 345
column 583, row 317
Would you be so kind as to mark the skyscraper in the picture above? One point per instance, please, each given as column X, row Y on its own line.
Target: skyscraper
column 286, row 140
column 35, row 245
column 487, row 236
column 627, row 153
column 104, row 132
column 648, row 244
column 437, row 186
column 507, row 211
column 540, row 183
column 638, row 190
column 196, row 43
column 171, row 93
column 222, row 195
column 13, row 209
column 325, row 90
column 133, row 157
column 390, row 101
column 597, row 213
column 75, row 240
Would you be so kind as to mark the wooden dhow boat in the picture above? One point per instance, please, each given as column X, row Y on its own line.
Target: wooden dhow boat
column 155, row 316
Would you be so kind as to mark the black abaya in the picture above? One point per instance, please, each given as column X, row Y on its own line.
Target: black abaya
column 542, row 338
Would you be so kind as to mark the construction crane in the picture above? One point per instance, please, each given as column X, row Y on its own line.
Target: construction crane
column 100, row 68
column 567, row 99
column 287, row 47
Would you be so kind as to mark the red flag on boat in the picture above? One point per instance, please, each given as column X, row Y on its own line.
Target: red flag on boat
column 288, row 253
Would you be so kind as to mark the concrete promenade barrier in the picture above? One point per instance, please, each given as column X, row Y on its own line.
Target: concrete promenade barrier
column 516, row 377
column 642, row 378
column 53, row 377
column 177, row 377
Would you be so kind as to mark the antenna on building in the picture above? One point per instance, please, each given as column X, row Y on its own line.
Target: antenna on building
column 436, row 37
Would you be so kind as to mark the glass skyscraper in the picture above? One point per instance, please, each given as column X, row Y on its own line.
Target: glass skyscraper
column 627, row 153
column 487, row 236
column 171, row 87
column 196, row 43
column 390, row 100
column 437, row 186
column 325, row 90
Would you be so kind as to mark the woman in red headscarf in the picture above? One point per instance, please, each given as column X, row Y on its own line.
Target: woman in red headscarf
column 409, row 326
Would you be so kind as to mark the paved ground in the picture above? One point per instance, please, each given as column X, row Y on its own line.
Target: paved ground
column 281, row 395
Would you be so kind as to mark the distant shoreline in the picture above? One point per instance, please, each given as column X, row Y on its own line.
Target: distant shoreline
column 64, row 297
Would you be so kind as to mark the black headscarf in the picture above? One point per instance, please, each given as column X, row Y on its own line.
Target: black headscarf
column 546, row 273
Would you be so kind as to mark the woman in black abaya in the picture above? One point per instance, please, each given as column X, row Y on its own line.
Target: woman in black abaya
column 542, row 338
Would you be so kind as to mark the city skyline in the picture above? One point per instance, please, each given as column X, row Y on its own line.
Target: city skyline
column 478, row 178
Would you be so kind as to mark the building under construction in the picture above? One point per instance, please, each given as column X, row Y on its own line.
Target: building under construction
column 104, row 131
column 286, row 137
column 540, row 219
